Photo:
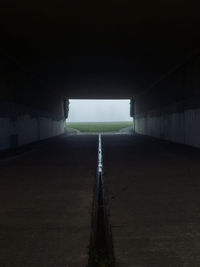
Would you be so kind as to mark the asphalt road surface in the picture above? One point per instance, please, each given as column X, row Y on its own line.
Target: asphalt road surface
column 153, row 191
column 45, row 204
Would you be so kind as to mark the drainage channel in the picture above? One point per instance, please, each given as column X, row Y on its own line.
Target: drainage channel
column 101, row 245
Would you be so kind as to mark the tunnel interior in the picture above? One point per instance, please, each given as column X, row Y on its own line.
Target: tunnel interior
column 62, row 201
column 55, row 51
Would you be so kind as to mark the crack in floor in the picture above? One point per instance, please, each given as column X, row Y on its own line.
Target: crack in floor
column 101, row 251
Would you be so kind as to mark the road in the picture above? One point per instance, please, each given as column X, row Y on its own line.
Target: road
column 153, row 194
column 153, row 188
column 45, row 204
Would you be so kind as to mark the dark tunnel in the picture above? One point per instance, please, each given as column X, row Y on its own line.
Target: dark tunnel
column 53, row 51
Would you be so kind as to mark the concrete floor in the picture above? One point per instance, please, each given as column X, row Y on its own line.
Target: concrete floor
column 153, row 189
column 45, row 204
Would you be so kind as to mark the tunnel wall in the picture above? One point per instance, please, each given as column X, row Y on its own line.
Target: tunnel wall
column 29, row 112
column 21, row 125
column 171, row 109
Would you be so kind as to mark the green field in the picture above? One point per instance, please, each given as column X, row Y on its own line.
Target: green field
column 99, row 126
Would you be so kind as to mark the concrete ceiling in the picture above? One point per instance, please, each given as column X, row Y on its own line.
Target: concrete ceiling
column 99, row 49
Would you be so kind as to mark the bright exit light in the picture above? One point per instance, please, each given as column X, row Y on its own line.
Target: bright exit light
column 99, row 110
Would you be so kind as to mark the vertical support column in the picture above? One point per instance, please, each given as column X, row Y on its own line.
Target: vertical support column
column 132, row 112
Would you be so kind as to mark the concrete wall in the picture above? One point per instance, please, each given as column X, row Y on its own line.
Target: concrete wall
column 171, row 109
column 177, row 127
column 27, row 127
column 29, row 111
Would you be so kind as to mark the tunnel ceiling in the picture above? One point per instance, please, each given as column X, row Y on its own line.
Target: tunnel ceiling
column 100, row 48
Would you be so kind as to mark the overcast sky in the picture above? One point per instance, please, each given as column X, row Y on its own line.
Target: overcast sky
column 99, row 110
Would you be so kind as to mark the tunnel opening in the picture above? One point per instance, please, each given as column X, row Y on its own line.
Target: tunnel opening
column 99, row 116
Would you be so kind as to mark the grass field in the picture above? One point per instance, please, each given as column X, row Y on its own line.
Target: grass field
column 99, row 126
